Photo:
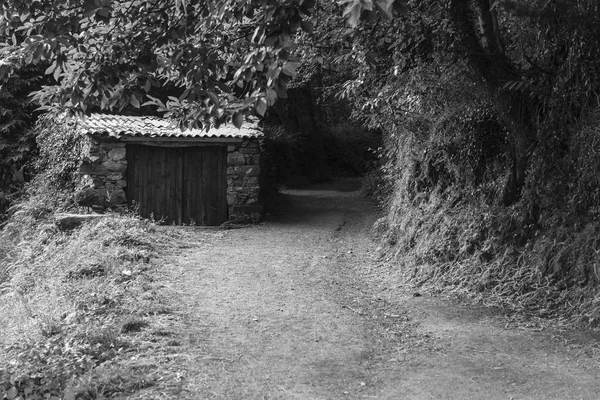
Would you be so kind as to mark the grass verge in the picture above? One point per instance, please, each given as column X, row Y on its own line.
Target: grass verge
column 89, row 313
column 490, row 254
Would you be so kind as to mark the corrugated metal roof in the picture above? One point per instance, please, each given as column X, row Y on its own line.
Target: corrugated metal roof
column 121, row 125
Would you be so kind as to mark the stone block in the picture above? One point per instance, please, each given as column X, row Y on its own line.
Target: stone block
column 114, row 177
column 232, row 200
column 236, row 158
column 117, row 197
column 93, row 169
column 231, row 148
column 91, row 159
column 97, row 152
column 115, row 166
column 247, row 209
column 252, row 200
column 249, row 150
column 234, row 180
column 248, row 170
column 101, row 198
column 231, row 171
column 91, row 197
column 250, row 143
column 117, row 153
column 121, row 183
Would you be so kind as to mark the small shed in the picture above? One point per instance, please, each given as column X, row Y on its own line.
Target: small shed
column 195, row 176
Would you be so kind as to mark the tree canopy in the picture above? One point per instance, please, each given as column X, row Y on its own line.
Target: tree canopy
column 227, row 57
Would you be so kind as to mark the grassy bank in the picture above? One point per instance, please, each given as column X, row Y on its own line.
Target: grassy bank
column 447, row 231
column 87, row 314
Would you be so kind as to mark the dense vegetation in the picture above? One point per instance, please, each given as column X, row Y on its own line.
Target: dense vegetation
column 490, row 157
column 17, row 142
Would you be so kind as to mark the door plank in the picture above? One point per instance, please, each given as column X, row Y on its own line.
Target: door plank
column 179, row 186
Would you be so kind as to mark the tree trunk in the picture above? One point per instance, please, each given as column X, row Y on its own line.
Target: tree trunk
column 480, row 38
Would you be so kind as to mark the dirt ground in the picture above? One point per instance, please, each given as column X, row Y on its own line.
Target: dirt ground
column 299, row 308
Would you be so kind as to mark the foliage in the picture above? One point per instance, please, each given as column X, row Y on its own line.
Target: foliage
column 61, row 148
column 17, row 142
column 226, row 57
column 489, row 151
column 57, row 158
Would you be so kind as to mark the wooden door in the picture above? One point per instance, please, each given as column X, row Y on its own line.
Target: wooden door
column 181, row 185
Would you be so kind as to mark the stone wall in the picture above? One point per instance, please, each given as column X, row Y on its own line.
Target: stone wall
column 104, row 172
column 243, row 185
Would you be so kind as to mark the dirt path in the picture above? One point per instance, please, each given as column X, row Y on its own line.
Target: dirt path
column 299, row 309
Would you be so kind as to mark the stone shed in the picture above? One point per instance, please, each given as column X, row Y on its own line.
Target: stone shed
column 181, row 177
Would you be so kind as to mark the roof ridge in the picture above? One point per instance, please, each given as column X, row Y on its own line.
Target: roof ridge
column 153, row 126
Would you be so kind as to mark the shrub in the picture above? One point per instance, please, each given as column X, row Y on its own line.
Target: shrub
column 60, row 156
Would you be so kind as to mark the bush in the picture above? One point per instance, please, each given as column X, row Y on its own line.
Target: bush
column 446, row 164
column 61, row 149
column 17, row 141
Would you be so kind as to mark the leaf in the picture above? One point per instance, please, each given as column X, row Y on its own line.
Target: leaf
column 401, row 7
column 4, row 69
column 154, row 101
column 308, row 27
column 12, row 393
column 213, row 97
column 238, row 119
column 103, row 15
column 271, row 96
column 385, row 6
column 354, row 15
column 57, row 72
column 181, row 4
column 290, row 68
column 261, row 106
column 50, row 69
column 224, row 88
column 134, row 101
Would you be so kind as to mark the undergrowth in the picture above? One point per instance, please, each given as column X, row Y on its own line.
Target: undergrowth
column 79, row 309
column 446, row 230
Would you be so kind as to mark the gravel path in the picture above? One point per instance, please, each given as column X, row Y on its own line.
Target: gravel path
column 300, row 309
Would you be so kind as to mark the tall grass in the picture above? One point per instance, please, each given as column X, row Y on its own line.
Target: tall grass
column 71, row 301
column 541, row 254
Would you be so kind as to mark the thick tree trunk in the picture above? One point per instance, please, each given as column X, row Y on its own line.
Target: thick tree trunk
column 479, row 35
